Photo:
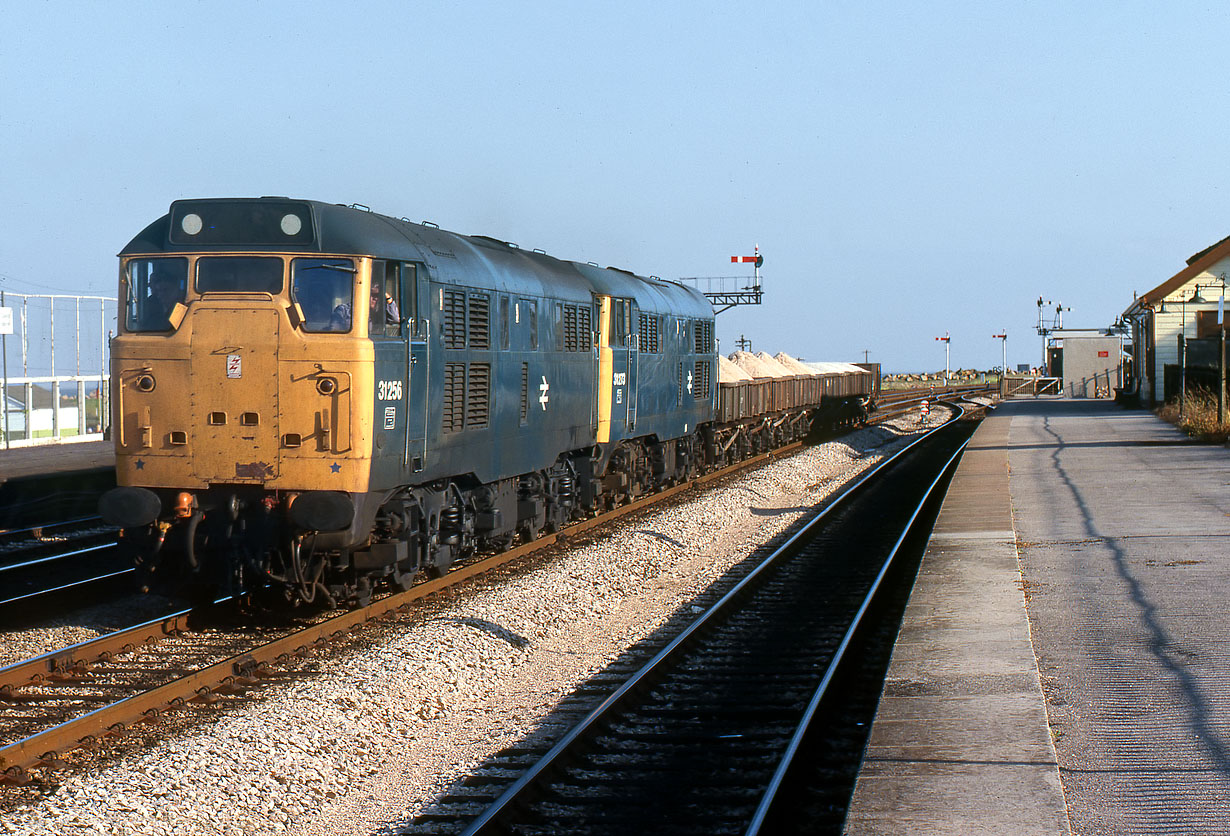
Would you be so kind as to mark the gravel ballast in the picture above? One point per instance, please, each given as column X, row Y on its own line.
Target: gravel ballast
column 381, row 728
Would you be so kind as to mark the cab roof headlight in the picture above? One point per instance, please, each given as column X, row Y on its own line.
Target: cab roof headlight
column 192, row 223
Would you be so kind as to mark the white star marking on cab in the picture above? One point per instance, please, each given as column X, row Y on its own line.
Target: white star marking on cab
column 689, row 383
column 542, row 399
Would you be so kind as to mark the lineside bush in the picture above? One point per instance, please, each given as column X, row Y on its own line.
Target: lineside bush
column 1201, row 419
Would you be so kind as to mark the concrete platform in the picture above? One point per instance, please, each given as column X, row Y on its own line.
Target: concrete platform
column 49, row 459
column 1091, row 544
column 960, row 742
column 1123, row 530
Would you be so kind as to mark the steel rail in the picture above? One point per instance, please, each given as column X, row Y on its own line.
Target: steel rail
column 21, row 600
column 53, row 557
column 906, row 400
column 76, row 658
column 502, row 805
column 919, row 392
column 13, row 533
column 48, row 747
column 792, row 748
column 24, row 550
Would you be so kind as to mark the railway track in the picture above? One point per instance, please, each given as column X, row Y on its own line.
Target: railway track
column 28, row 543
column 51, row 567
column 736, row 726
column 897, row 402
column 27, row 502
column 55, row 706
column 46, row 585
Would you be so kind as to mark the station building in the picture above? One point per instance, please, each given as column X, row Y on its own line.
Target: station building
column 1089, row 363
column 1177, row 320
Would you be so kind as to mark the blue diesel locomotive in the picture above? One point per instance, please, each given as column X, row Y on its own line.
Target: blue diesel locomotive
column 311, row 399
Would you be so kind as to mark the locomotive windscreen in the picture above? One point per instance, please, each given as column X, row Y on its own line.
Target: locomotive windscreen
column 241, row 222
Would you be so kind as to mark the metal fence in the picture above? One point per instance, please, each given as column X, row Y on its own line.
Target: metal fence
column 1017, row 386
column 54, row 357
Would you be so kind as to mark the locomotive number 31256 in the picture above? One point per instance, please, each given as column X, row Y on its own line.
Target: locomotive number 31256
column 389, row 390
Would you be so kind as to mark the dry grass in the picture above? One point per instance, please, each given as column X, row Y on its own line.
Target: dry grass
column 1201, row 419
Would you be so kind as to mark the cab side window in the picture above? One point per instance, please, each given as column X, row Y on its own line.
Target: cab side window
column 621, row 322
column 384, row 312
column 531, row 318
column 409, row 297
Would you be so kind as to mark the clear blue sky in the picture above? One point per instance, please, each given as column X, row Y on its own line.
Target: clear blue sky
column 906, row 168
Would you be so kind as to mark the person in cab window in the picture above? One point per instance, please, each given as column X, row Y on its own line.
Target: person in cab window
column 391, row 314
column 339, row 320
column 165, row 291
column 379, row 314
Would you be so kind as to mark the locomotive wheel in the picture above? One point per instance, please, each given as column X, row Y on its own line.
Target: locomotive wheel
column 401, row 581
column 502, row 543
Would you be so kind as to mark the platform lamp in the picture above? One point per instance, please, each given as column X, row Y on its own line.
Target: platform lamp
column 1221, row 353
column 1221, row 348
column 1196, row 299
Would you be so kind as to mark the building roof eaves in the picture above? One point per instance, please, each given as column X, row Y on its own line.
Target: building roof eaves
column 1196, row 265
